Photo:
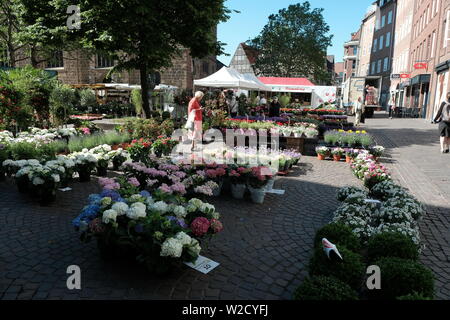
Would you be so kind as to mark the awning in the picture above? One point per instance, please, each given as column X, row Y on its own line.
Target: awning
column 423, row 78
column 299, row 85
column 443, row 66
column 229, row 78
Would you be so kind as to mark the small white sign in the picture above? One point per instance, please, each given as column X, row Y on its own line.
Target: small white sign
column 65, row 189
column 276, row 191
column 203, row 264
column 372, row 201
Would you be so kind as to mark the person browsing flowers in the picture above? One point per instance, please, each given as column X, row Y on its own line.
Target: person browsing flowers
column 196, row 109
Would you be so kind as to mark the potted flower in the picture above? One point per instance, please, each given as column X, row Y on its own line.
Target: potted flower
column 3, row 156
column 118, row 157
column 139, row 150
column 377, row 152
column 238, row 178
column 163, row 146
column 102, row 164
column 337, row 154
column 216, row 174
column 287, row 132
column 85, row 162
column 350, row 154
column 322, row 153
column 258, row 179
column 311, row 133
column 44, row 182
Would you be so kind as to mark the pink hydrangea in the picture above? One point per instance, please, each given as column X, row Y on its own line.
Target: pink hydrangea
column 134, row 182
column 200, row 226
column 216, row 225
column 178, row 188
column 165, row 188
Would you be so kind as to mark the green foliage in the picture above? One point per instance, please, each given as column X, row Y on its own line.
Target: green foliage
column 150, row 129
column 390, row 244
column 89, row 142
column 349, row 270
column 285, row 100
column 87, row 98
column 62, row 102
column 413, row 297
column 323, row 288
column 402, row 277
column 30, row 150
column 136, row 99
column 294, row 43
column 338, row 234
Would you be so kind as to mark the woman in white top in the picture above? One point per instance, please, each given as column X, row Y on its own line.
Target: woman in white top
column 358, row 110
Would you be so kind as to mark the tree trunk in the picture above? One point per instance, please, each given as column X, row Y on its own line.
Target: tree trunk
column 33, row 57
column 144, row 91
column 12, row 55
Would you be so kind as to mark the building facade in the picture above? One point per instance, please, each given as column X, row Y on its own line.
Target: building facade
column 351, row 52
column 383, row 46
column 366, row 41
column 244, row 59
column 401, row 65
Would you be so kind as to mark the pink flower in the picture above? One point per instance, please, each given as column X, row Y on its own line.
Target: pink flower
column 216, row 225
column 134, row 182
column 200, row 226
column 178, row 188
column 86, row 131
column 165, row 188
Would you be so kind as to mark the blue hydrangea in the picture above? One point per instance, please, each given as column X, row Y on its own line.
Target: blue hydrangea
column 180, row 221
column 95, row 199
column 114, row 195
column 145, row 194
column 87, row 215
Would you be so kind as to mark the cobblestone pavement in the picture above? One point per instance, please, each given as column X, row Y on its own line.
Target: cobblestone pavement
column 413, row 155
column 263, row 251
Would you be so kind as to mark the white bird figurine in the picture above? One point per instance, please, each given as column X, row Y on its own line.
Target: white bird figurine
column 328, row 247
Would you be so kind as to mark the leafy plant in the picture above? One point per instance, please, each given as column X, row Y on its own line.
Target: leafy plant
column 136, row 99
column 349, row 270
column 403, row 277
column 340, row 235
column 390, row 244
column 323, row 288
column 87, row 98
column 62, row 102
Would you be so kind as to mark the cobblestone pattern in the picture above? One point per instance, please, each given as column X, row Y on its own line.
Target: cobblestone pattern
column 263, row 251
column 414, row 159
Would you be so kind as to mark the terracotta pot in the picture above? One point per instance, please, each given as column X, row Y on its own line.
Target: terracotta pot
column 348, row 159
column 337, row 158
column 321, row 157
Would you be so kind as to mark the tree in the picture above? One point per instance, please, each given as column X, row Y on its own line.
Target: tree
column 294, row 43
column 140, row 34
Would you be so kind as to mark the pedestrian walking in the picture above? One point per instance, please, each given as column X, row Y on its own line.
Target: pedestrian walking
column 234, row 106
column 392, row 106
column 358, row 110
column 443, row 118
column 195, row 118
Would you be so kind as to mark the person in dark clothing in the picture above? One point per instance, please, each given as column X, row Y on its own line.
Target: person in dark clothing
column 443, row 118
column 366, row 92
column 275, row 107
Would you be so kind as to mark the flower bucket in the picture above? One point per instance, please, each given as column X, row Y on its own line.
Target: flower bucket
column 217, row 191
column 270, row 183
column 337, row 158
column 257, row 195
column 321, row 157
column 85, row 176
column 102, row 171
column 238, row 190
column 298, row 135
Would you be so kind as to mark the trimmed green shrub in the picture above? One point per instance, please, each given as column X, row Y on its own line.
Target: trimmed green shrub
column 391, row 244
column 339, row 234
column 400, row 277
column 413, row 297
column 62, row 102
column 322, row 288
column 23, row 151
column 349, row 270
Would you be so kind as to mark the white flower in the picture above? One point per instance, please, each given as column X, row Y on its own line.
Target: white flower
column 207, row 208
column 160, row 206
column 180, row 212
column 38, row 181
column 184, row 238
column 121, row 208
column 109, row 215
column 106, row 201
column 194, row 247
column 137, row 210
column 171, row 248
column 56, row 178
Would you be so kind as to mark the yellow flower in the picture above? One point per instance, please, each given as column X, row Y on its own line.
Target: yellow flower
column 341, row 130
column 363, row 132
column 358, row 132
column 350, row 131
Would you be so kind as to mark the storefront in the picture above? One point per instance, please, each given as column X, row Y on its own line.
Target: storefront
column 442, row 73
column 420, row 87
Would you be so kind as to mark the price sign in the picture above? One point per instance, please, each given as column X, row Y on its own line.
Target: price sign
column 203, row 265
column 405, row 76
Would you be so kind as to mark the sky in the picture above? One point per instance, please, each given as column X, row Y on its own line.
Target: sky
column 343, row 17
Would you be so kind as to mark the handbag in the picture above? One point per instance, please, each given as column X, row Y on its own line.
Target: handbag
column 190, row 124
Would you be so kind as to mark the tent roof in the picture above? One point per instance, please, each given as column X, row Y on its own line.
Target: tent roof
column 228, row 78
column 273, row 81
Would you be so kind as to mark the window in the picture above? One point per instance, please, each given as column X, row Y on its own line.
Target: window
column 354, row 64
column 375, row 45
column 56, row 60
column 373, row 67
column 381, row 42
column 433, row 44
column 386, row 64
column 390, row 17
column 388, row 39
column 379, row 66
column 383, row 21
column 104, row 62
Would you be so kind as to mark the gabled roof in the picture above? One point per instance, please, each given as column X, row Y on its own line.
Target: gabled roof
column 250, row 52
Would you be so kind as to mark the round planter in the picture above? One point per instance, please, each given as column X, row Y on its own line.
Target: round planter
column 238, row 190
column 257, row 195
column 321, row 157
column 84, row 176
column 348, row 159
column 337, row 158
column 102, row 171
column 217, row 191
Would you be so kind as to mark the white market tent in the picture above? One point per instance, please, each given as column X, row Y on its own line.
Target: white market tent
column 230, row 78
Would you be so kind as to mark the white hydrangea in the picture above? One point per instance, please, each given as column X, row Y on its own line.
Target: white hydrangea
column 109, row 216
column 106, row 201
column 56, row 178
column 160, row 206
column 207, row 208
column 38, row 181
column 184, row 238
column 172, row 248
column 121, row 208
column 179, row 211
column 136, row 211
column 194, row 247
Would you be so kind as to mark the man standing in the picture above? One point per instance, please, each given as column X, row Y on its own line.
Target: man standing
column 275, row 108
